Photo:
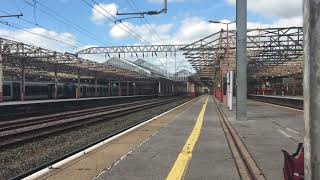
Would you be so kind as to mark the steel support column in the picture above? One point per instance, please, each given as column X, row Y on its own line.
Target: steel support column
column 231, row 91
column 134, row 88
column 1, row 79
column 55, row 96
column 311, row 89
column 221, row 81
column 23, row 82
column 109, row 88
column 78, row 91
column 172, row 88
column 228, row 91
column 241, row 107
column 95, row 87
column 119, row 90
column 127, row 88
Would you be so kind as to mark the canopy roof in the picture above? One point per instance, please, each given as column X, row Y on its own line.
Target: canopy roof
column 37, row 60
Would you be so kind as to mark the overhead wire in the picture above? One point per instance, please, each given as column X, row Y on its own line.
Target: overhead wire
column 134, row 7
column 10, row 24
column 68, row 22
column 36, row 24
column 55, row 15
column 148, row 24
column 128, row 29
column 112, row 19
column 133, row 4
column 116, row 19
column 151, row 30
column 34, row 11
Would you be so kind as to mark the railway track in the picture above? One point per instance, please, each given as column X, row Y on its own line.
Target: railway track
column 24, row 122
column 24, row 130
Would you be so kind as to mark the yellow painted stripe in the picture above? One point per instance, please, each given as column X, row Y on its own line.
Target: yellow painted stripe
column 181, row 164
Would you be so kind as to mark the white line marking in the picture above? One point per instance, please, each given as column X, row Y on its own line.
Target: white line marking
column 131, row 151
column 284, row 133
column 117, row 162
column 291, row 130
column 279, row 106
column 79, row 154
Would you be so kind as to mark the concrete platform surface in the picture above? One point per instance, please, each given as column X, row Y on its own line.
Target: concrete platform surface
column 269, row 129
column 278, row 96
column 152, row 150
column 93, row 163
column 211, row 157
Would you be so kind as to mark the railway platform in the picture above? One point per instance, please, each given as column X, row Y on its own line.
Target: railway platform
column 191, row 142
column 289, row 101
column 269, row 129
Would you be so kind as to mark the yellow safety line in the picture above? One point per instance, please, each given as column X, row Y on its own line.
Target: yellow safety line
column 179, row 168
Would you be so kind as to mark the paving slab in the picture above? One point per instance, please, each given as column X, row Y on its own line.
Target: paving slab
column 269, row 129
column 93, row 163
column 211, row 159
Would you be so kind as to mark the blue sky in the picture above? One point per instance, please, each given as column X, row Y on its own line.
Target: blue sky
column 186, row 20
column 80, row 13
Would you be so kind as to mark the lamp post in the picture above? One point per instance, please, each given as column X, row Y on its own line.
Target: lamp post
column 227, row 61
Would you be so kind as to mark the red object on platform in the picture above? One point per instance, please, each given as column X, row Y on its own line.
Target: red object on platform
column 193, row 94
column 294, row 164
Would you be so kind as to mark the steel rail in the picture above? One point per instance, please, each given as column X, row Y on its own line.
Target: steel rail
column 247, row 167
column 24, row 122
column 25, row 134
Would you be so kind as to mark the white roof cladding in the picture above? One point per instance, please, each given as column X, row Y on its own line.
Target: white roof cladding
column 127, row 65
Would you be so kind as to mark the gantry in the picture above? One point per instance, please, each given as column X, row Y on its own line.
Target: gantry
column 270, row 52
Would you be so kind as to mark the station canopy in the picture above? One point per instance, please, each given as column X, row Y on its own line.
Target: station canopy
column 270, row 52
column 40, row 61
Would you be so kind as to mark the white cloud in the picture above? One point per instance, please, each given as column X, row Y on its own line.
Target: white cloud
column 274, row 8
column 101, row 12
column 29, row 38
column 189, row 30
column 286, row 22
column 147, row 32
column 194, row 28
column 120, row 31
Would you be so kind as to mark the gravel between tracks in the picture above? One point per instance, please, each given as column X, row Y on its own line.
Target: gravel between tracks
column 16, row 160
